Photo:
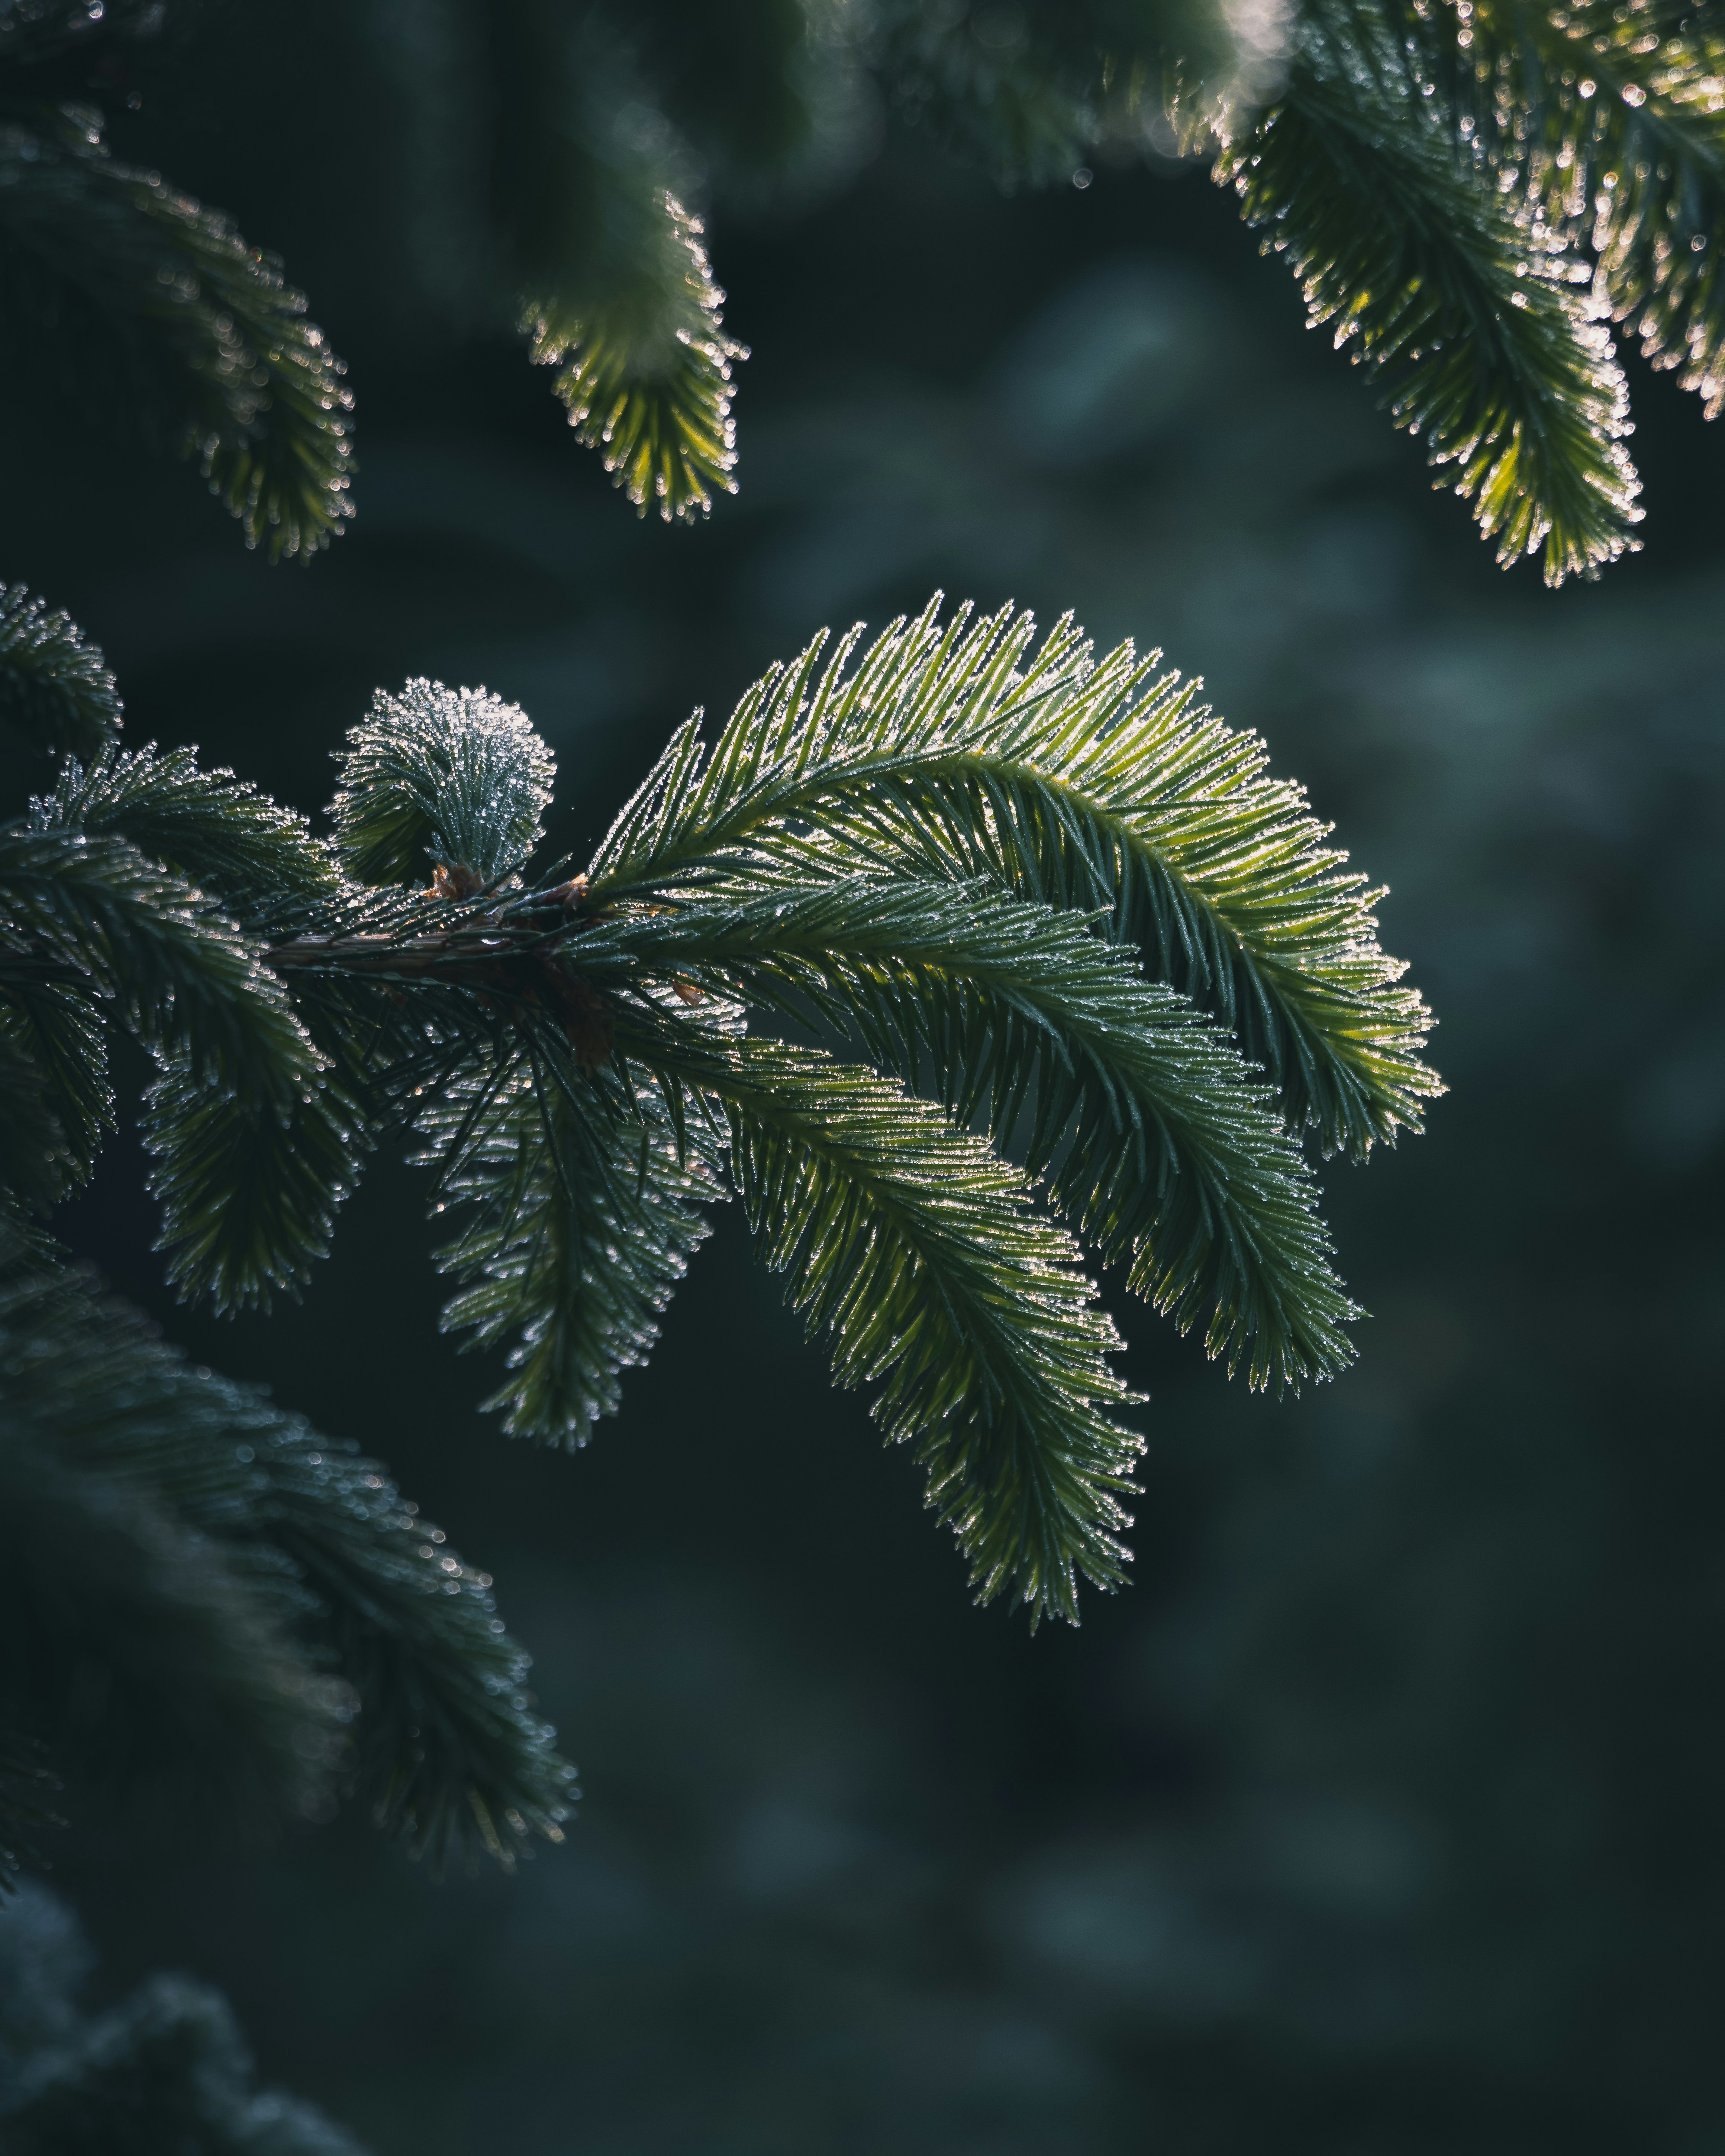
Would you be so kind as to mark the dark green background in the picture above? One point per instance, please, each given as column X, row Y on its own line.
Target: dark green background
column 1383, row 1814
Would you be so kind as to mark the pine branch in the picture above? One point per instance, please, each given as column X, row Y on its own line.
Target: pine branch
column 578, row 1220
column 56, row 1105
column 1169, row 1156
column 549, row 167
column 255, row 1148
column 1466, row 308
column 960, row 850
column 1613, row 121
column 951, row 750
column 456, row 778
column 152, row 302
column 249, row 1193
column 205, row 826
column 54, row 687
column 35, row 1160
column 91, row 914
column 447, row 1744
column 318, row 1571
column 1031, row 95
column 645, row 371
column 249, row 1180
column 912, row 1246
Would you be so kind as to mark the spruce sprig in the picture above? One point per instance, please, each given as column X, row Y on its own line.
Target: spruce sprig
column 645, row 371
column 268, row 1611
column 1471, row 193
column 88, row 914
column 1466, row 304
column 1612, row 122
column 151, row 301
column 951, row 748
column 54, row 690
column 576, row 1219
column 1082, row 939
column 233, row 842
column 911, row 1244
column 1167, row 1154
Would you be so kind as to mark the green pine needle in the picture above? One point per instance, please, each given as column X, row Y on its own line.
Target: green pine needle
column 261, row 1597
column 912, row 1246
column 646, row 373
column 453, row 778
column 952, row 749
column 1612, row 119
column 54, row 687
column 577, row 1223
column 1466, row 306
column 152, row 300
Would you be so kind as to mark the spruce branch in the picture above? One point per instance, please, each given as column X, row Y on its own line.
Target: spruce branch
column 55, row 688
column 90, row 913
column 1049, row 891
column 912, row 1246
column 578, row 1219
column 1466, row 306
column 952, row 749
column 147, row 298
column 205, row 826
column 1612, row 122
column 582, row 231
column 645, row 370
column 36, row 1162
column 364, row 1650
column 255, row 1148
column 56, row 1105
column 1162, row 1147
column 453, row 780
column 249, row 1193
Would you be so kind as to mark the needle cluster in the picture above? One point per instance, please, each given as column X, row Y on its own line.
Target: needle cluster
column 954, row 956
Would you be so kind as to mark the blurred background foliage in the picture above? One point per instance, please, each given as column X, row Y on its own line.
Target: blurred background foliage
column 1381, row 1818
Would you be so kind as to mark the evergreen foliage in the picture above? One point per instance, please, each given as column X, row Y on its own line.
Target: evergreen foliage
column 1463, row 301
column 1060, row 910
column 264, row 1608
column 1470, row 191
column 153, row 304
column 646, row 373
column 54, row 690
